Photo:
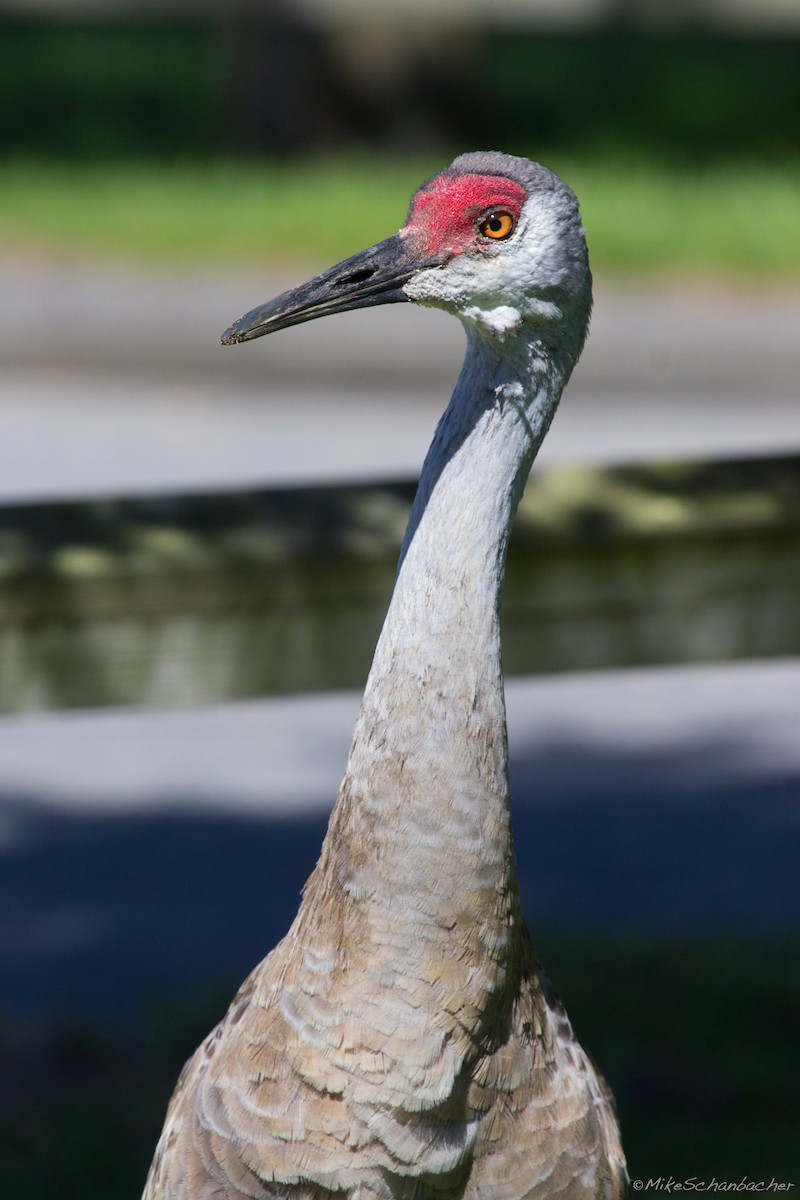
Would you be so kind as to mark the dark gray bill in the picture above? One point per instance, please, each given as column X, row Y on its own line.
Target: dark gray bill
column 374, row 276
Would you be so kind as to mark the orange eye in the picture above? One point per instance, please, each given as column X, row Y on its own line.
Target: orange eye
column 497, row 225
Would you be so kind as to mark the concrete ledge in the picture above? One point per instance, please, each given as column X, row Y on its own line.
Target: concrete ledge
column 175, row 600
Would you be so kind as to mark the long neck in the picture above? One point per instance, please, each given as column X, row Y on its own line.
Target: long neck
column 425, row 796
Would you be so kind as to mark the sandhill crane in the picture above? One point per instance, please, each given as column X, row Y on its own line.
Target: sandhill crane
column 401, row 1042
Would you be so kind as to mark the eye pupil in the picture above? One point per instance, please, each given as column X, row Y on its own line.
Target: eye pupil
column 495, row 224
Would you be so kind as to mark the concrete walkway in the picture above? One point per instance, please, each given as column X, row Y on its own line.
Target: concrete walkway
column 114, row 382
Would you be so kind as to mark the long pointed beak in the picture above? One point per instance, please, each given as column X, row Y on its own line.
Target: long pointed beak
column 374, row 276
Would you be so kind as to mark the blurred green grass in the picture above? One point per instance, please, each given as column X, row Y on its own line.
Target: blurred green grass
column 739, row 220
column 698, row 1039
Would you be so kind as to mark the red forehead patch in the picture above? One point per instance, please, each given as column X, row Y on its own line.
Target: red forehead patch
column 443, row 216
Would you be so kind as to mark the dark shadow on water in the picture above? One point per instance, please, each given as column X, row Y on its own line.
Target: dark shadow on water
column 655, row 844
column 99, row 913
column 666, row 910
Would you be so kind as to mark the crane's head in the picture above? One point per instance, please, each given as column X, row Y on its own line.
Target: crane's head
column 494, row 239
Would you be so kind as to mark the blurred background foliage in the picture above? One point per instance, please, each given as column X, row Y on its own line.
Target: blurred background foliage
column 725, row 219
column 159, row 86
column 149, row 135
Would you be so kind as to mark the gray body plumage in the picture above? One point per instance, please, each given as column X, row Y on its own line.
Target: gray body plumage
column 401, row 1042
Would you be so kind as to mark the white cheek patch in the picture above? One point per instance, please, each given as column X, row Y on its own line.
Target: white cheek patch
column 500, row 320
